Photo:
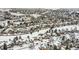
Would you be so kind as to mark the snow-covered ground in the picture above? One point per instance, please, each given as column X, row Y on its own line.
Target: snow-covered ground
column 24, row 37
column 69, row 27
column 56, row 41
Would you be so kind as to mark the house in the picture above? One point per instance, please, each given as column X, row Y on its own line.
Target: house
column 18, row 15
column 9, row 31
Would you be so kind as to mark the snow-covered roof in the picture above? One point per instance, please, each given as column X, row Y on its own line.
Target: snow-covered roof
column 4, row 9
column 35, row 15
column 8, row 29
column 17, row 14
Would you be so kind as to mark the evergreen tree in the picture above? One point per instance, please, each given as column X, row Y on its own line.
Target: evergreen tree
column 55, row 47
column 5, row 46
column 14, row 41
column 1, row 27
column 67, row 47
column 55, row 30
column 63, row 38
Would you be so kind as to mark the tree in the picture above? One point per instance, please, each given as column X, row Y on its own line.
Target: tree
column 67, row 47
column 1, row 27
column 20, row 37
column 26, row 24
column 55, row 30
column 55, row 47
column 63, row 38
column 14, row 41
column 58, row 34
column 28, row 37
column 7, row 15
column 8, row 22
column 5, row 46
